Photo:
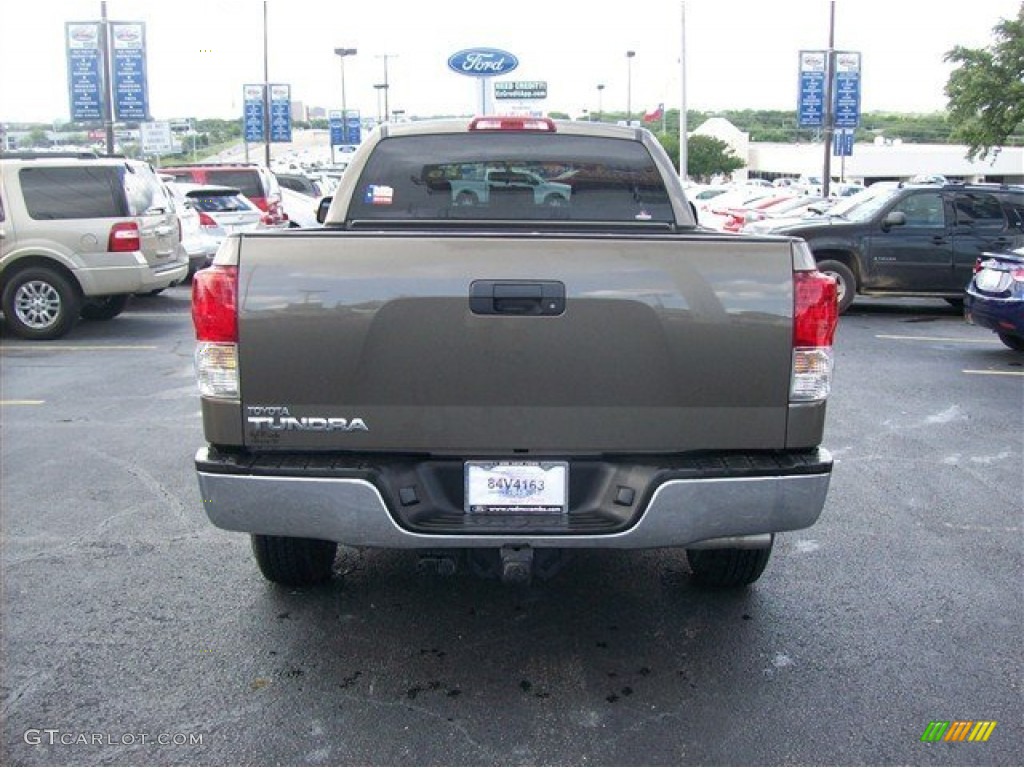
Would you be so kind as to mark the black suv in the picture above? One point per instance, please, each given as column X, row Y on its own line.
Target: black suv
column 912, row 239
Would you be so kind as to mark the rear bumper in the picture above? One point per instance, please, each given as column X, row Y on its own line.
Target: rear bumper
column 134, row 278
column 1001, row 315
column 674, row 506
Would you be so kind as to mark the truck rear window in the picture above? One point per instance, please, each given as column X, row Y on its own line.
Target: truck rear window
column 511, row 177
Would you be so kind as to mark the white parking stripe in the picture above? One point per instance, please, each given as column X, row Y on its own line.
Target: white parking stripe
column 21, row 402
column 78, row 347
column 995, row 373
column 937, row 338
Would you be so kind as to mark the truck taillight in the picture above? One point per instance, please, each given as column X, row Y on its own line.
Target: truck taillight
column 215, row 317
column 815, row 316
column 124, row 237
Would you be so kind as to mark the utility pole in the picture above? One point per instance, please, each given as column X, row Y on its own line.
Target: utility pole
column 629, row 87
column 386, row 56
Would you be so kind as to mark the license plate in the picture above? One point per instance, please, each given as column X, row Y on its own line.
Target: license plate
column 517, row 486
column 990, row 279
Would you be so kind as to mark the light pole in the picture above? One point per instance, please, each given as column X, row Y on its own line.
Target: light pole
column 342, row 53
column 266, row 91
column 381, row 87
column 600, row 92
column 629, row 87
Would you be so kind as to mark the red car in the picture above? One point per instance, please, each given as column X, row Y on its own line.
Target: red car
column 737, row 217
column 253, row 180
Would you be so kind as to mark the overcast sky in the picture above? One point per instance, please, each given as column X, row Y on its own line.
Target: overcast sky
column 739, row 53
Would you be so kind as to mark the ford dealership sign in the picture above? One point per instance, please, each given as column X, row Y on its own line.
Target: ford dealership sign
column 482, row 62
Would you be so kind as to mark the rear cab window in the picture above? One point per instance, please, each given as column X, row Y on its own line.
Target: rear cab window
column 511, row 177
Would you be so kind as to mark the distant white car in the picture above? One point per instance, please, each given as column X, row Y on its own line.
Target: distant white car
column 199, row 246
column 222, row 211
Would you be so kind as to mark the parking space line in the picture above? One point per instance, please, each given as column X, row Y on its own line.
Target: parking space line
column 995, row 373
column 935, row 338
column 21, row 402
column 78, row 348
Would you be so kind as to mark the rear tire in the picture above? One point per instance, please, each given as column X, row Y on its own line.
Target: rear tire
column 1016, row 343
column 294, row 562
column 39, row 303
column 728, row 568
column 106, row 308
column 846, row 283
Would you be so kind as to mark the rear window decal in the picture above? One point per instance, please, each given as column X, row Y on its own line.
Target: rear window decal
column 379, row 194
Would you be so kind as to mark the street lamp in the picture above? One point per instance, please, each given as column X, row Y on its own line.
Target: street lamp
column 600, row 91
column 629, row 86
column 342, row 53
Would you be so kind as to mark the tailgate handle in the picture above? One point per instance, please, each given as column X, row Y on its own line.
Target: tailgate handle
column 538, row 298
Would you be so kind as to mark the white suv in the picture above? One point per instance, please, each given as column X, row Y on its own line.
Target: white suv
column 79, row 234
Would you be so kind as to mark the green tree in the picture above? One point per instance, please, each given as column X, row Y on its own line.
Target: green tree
column 37, row 137
column 707, row 156
column 986, row 90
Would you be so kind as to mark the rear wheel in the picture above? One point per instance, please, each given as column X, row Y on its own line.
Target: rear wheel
column 846, row 283
column 106, row 308
column 40, row 303
column 466, row 198
column 294, row 562
column 728, row 567
column 1015, row 343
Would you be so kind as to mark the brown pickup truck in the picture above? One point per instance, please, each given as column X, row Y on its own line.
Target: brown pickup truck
column 498, row 384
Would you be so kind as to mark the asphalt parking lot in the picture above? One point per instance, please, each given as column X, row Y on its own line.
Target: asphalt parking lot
column 135, row 633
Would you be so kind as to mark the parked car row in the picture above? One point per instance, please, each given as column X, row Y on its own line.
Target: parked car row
column 960, row 242
column 79, row 234
column 911, row 239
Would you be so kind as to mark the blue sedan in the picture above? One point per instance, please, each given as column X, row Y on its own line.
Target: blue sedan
column 995, row 296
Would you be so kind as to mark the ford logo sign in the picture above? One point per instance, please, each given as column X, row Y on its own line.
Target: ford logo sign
column 482, row 62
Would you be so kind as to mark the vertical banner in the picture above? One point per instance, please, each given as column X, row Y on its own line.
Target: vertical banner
column 85, row 80
column 842, row 142
column 811, row 105
column 252, row 98
column 337, row 127
column 128, row 70
column 280, row 113
column 847, row 89
column 353, row 128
